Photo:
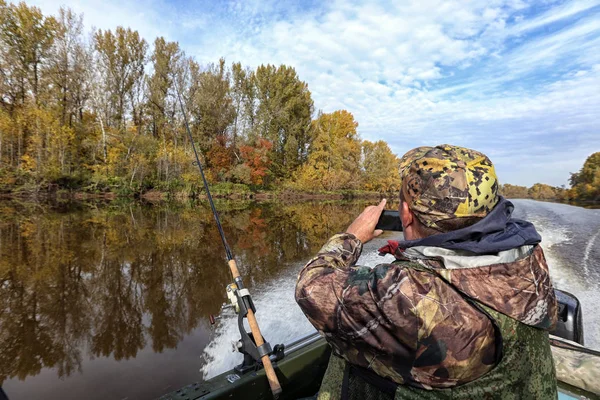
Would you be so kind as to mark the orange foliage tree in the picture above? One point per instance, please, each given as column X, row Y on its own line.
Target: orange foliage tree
column 256, row 160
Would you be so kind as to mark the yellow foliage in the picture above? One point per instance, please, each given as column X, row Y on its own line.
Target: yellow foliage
column 334, row 156
column 380, row 167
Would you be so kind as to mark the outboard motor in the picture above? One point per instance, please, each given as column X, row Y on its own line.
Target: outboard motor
column 570, row 324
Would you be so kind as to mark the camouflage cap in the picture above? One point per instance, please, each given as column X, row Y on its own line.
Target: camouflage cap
column 448, row 187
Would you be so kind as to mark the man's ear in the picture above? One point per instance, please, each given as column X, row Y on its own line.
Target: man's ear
column 406, row 215
column 409, row 222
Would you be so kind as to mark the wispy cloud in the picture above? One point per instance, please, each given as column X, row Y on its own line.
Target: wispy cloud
column 519, row 80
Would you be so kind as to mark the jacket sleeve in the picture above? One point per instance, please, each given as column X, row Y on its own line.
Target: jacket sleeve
column 401, row 320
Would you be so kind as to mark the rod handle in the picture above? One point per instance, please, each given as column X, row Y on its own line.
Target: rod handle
column 234, row 269
column 258, row 339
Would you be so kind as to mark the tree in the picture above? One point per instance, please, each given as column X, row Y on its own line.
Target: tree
column 541, row 191
column 380, row 167
column 70, row 66
column 211, row 109
column 334, row 158
column 121, row 57
column 256, row 161
column 586, row 183
column 514, row 191
column 283, row 116
column 28, row 37
column 164, row 61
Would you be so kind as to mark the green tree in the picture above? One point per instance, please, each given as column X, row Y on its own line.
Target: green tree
column 164, row 61
column 121, row 57
column 283, row 116
column 211, row 106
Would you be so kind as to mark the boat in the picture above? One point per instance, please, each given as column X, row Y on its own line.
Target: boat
column 301, row 364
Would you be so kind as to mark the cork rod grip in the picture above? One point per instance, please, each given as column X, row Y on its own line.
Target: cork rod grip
column 271, row 376
column 234, row 269
column 258, row 339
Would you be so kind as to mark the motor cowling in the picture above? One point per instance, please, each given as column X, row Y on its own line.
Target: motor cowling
column 570, row 319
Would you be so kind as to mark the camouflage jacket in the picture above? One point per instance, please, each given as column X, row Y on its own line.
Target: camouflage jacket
column 416, row 321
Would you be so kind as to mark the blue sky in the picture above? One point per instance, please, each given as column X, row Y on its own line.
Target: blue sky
column 518, row 80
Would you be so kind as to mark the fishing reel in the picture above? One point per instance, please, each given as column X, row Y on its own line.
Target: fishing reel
column 240, row 301
column 233, row 303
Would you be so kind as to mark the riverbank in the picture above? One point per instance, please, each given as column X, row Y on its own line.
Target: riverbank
column 226, row 191
column 219, row 191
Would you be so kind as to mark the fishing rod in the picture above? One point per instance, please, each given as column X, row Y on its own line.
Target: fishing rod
column 252, row 346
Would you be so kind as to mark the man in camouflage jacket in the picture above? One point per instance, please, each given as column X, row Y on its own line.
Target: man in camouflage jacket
column 463, row 312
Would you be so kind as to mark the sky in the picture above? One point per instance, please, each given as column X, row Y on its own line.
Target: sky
column 518, row 80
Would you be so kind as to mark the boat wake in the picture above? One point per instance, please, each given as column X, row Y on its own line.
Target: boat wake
column 279, row 318
column 588, row 249
column 571, row 246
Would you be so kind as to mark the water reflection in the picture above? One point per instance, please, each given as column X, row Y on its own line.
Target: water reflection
column 83, row 281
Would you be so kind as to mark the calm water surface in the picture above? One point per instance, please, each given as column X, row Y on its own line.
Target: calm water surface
column 113, row 301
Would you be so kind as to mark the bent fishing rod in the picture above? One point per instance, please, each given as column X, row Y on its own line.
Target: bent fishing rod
column 252, row 346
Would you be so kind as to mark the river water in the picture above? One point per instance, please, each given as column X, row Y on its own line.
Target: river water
column 112, row 301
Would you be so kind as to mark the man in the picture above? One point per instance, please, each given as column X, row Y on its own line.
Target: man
column 462, row 313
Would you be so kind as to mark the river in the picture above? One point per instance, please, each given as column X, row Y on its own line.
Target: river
column 112, row 301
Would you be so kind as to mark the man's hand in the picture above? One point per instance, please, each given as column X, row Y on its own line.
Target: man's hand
column 363, row 226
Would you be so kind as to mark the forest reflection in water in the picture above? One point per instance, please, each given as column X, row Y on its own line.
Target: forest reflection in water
column 83, row 281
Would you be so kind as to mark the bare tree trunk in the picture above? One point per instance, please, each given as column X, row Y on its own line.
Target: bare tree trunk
column 103, row 140
column 19, row 149
column 132, row 176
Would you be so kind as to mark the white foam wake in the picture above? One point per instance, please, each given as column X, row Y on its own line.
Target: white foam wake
column 588, row 249
column 278, row 315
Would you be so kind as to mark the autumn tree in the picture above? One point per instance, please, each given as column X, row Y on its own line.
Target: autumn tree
column 514, row 191
column 334, row 159
column 26, row 38
column 256, row 162
column 70, row 72
column 379, row 167
column 585, row 184
column 541, row 191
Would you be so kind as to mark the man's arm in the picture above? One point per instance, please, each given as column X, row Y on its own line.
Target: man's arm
column 393, row 318
column 365, row 314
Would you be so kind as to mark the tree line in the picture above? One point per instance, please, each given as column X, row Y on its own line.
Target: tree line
column 585, row 186
column 100, row 112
